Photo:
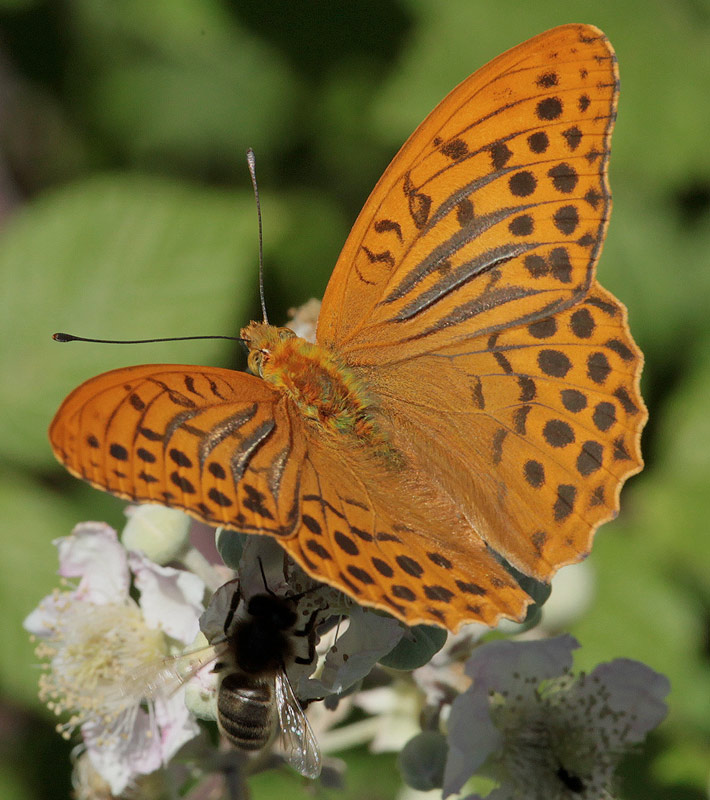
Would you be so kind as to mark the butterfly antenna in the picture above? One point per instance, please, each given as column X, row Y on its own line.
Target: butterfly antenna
column 69, row 337
column 251, row 161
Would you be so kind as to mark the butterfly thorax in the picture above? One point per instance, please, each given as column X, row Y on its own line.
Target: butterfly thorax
column 323, row 388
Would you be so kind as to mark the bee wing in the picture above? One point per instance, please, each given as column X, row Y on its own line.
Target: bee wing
column 296, row 735
column 166, row 676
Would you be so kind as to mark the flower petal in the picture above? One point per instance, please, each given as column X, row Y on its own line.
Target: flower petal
column 398, row 708
column 494, row 663
column 176, row 724
column 213, row 617
column 120, row 757
column 369, row 637
column 494, row 666
column 472, row 738
column 171, row 599
column 160, row 533
column 638, row 691
column 41, row 621
column 93, row 553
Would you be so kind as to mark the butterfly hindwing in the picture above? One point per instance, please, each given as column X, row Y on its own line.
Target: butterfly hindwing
column 537, row 429
column 373, row 535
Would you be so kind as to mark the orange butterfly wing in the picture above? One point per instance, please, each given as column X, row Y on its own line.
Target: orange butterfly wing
column 388, row 541
column 465, row 297
column 492, row 214
column 464, row 301
column 189, row 437
column 229, row 449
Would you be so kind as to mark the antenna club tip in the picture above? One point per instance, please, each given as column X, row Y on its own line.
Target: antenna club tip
column 62, row 337
column 250, row 156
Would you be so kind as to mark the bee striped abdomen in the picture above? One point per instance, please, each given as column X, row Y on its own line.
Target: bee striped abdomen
column 246, row 711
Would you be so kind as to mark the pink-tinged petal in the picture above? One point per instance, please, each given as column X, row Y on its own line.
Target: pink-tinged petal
column 636, row 690
column 143, row 752
column 494, row 663
column 472, row 738
column 170, row 599
column 93, row 553
column 119, row 758
column 201, row 663
column 177, row 725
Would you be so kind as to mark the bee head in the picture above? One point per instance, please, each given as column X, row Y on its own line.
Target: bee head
column 272, row 612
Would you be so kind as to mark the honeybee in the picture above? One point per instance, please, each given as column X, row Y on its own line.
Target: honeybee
column 255, row 699
column 254, row 696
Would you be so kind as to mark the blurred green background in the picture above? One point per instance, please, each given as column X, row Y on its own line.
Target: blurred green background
column 126, row 211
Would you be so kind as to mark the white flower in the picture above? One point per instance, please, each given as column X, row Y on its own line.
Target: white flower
column 542, row 732
column 98, row 639
column 304, row 319
column 573, row 589
column 396, row 710
column 86, row 781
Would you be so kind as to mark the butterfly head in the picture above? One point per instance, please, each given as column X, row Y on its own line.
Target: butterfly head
column 262, row 340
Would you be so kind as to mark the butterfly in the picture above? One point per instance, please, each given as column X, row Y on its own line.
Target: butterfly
column 471, row 405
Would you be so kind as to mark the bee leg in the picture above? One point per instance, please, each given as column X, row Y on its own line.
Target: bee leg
column 308, row 630
column 286, row 566
column 233, row 605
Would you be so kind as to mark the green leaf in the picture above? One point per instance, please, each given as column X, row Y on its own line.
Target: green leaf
column 311, row 233
column 422, row 761
column 416, row 647
column 175, row 83
column 32, row 516
column 230, row 545
column 115, row 257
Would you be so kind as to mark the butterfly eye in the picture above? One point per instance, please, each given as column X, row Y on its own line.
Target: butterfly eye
column 256, row 361
column 286, row 333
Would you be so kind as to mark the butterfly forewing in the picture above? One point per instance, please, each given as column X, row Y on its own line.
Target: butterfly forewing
column 492, row 214
column 214, row 442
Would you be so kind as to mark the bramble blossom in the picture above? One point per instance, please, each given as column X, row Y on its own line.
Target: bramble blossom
column 526, row 722
column 96, row 638
column 542, row 732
